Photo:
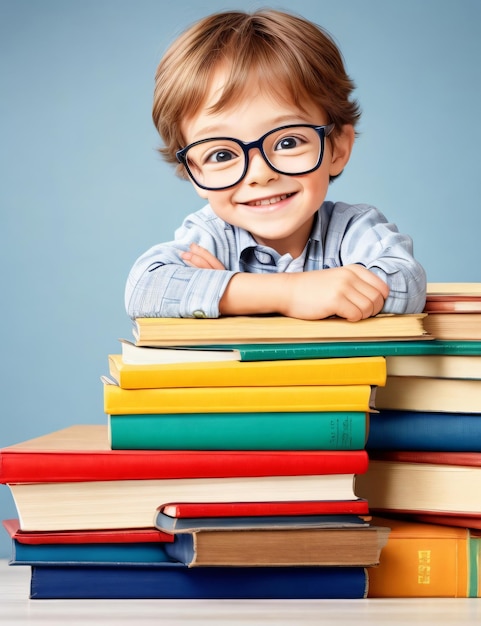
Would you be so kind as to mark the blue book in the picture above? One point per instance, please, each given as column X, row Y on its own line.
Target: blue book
column 176, row 581
column 417, row 430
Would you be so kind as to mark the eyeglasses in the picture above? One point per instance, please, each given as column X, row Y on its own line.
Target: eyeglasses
column 222, row 162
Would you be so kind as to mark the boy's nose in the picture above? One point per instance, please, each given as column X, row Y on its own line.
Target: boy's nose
column 259, row 171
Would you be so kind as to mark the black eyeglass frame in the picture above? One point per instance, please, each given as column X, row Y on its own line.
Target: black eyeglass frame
column 323, row 132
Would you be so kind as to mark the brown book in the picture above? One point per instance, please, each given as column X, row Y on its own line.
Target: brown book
column 360, row 546
column 166, row 331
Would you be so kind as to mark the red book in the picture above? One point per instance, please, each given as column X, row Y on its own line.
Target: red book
column 82, row 453
column 124, row 535
column 471, row 459
column 261, row 509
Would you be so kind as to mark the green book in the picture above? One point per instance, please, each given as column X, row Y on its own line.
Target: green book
column 240, row 431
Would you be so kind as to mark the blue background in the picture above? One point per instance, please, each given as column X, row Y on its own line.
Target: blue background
column 83, row 191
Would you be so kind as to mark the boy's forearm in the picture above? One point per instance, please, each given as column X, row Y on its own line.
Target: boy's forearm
column 248, row 294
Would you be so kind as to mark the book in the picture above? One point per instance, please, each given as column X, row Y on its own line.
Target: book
column 398, row 486
column 358, row 546
column 454, row 326
column 302, row 372
column 133, row 354
column 435, row 366
column 425, row 561
column 413, row 393
column 179, row 525
column 166, row 331
column 176, row 581
column 324, row 430
column 435, row 457
column 82, row 453
column 424, row 430
column 62, row 548
column 118, row 401
column 132, row 503
column 453, row 297
column 463, row 521
column 181, row 510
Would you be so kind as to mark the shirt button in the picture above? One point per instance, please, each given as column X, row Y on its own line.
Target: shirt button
column 199, row 314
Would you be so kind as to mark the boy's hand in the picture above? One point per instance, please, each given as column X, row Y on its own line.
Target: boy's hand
column 201, row 258
column 351, row 292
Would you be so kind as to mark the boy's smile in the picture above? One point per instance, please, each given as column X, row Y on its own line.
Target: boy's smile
column 277, row 209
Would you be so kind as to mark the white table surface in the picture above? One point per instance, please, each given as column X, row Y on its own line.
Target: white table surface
column 16, row 610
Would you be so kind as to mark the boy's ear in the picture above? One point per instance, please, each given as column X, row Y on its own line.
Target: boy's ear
column 341, row 148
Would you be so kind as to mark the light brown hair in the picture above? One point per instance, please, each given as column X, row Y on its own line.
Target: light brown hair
column 293, row 58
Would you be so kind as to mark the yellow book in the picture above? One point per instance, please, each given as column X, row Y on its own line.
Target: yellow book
column 335, row 371
column 119, row 401
column 425, row 561
column 167, row 331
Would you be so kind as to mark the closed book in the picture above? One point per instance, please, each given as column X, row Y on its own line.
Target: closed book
column 146, row 355
column 435, row 366
column 82, row 453
column 182, row 510
column 453, row 297
column 403, row 487
column 424, row 430
column 132, row 503
column 413, row 393
column 336, row 371
column 426, row 561
column 279, row 547
column 462, row 521
column 453, row 326
column 158, row 331
column 435, row 457
column 176, row 581
column 325, row 430
column 119, row 401
column 49, row 548
column 176, row 525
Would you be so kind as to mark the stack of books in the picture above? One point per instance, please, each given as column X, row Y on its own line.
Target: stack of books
column 425, row 459
column 229, row 478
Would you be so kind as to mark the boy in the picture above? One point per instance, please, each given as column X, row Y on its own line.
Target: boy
column 255, row 109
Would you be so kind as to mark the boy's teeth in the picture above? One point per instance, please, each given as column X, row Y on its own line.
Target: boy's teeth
column 268, row 201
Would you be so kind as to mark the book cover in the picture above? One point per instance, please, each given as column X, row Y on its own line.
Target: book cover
column 425, row 561
column 358, row 546
column 302, row 372
column 42, row 548
column 412, row 393
column 158, row 331
column 287, row 351
column 471, row 459
column 473, row 522
column 289, row 431
column 132, row 503
column 403, row 487
column 82, row 453
column 424, row 430
column 176, row 581
column 119, row 401
column 269, row 508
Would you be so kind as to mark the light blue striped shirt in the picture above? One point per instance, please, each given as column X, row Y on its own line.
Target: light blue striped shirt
column 160, row 284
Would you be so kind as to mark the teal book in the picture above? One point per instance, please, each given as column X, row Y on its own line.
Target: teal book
column 240, row 431
column 274, row 351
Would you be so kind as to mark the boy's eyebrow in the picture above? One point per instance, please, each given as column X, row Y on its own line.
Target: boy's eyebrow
column 217, row 129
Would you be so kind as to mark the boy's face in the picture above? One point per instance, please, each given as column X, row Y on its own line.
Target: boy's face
column 277, row 209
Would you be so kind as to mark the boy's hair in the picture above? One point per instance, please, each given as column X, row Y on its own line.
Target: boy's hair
column 296, row 60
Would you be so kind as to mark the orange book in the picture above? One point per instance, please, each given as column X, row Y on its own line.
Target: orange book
column 426, row 561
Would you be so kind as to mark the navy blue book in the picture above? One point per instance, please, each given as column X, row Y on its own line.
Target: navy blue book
column 176, row 581
column 413, row 430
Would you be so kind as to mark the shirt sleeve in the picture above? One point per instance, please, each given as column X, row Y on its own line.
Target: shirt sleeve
column 160, row 284
column 369, row 239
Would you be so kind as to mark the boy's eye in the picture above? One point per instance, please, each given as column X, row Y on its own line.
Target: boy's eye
column 220, row 156
column 287, row 143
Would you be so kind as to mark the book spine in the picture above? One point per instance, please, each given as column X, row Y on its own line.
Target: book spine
column 417, row 430
column 240, row 431
column 119, row 401
column 175, row 581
